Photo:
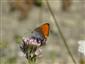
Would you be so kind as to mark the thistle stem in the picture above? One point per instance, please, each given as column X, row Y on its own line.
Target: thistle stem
column 60, row 32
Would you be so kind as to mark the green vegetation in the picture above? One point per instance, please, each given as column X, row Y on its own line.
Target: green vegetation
column 38, row 3
column 17, row 39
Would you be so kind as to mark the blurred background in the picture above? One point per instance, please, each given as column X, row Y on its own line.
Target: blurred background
column 20, row 17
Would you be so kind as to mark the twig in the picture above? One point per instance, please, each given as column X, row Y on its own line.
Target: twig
column 60, row 32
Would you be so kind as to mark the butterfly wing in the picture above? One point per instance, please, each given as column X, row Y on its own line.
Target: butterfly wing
column 43, row 30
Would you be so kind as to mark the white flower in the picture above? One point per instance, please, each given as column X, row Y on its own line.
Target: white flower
column 81, row 48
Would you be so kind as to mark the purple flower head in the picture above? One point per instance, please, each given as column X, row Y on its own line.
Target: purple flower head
column 30, row 46
column 31, row 41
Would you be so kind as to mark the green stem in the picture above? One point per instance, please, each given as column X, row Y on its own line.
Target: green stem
column 32, row 60
column 60, row 32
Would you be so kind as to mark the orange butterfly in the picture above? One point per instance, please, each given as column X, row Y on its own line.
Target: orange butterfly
column 42, row 32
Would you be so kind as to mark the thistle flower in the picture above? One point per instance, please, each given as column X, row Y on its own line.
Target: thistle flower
column 31, row 47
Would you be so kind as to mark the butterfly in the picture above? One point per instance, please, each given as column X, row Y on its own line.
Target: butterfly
column 41, row 33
